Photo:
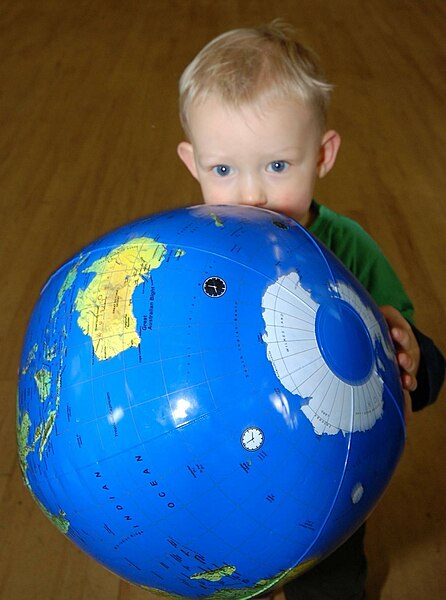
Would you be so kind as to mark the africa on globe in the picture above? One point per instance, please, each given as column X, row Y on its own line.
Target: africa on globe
column 208, row 402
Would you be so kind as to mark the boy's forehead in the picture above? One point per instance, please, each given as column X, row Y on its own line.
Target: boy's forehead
column 287, row 117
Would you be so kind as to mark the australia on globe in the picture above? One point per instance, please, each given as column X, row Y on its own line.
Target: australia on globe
column 208, row 402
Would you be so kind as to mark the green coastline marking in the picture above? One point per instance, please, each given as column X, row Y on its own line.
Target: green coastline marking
column 67, row 283
column 215, row 574
column 42, row 377
column 231, row 593
column 217, row 221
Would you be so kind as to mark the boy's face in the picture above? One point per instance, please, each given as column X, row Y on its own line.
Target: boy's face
column 268, row 158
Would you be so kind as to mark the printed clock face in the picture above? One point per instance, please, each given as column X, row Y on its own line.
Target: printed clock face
column 252, row 438
column 214, row 287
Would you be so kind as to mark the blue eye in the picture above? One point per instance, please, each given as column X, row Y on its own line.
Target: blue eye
column 277, row 166
column 222, row 170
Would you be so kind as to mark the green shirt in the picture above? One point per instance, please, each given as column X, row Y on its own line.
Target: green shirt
column 363, row 257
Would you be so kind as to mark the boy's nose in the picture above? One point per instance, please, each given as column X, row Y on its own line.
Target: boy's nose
column 252, row 193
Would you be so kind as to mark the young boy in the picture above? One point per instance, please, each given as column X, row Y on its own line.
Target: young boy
column 253, row 106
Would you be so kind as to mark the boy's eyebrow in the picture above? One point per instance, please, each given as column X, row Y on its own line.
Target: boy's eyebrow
column 269, row 152
column 286, row 149
column 213, row 156
column 210, row 158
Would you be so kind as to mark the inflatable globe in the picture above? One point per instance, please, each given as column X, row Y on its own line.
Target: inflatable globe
column 208, row 402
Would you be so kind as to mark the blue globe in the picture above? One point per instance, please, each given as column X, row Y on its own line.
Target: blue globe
column 208, row 402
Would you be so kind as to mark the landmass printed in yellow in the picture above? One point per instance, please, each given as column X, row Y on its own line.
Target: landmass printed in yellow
column 106, row 305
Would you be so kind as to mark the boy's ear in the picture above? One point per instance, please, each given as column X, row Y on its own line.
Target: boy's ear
column 331, row 141
column 186, row 153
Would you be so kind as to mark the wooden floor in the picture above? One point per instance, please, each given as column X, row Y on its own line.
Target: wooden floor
column 88, row 139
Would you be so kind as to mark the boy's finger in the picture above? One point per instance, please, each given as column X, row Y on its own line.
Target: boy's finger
column 405, row 362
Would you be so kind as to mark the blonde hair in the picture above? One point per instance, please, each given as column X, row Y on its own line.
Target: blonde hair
column 255, row 66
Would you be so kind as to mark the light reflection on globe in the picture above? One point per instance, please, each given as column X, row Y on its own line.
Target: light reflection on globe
column 208, row 402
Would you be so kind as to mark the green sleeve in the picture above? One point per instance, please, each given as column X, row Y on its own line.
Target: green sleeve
column 363, row 257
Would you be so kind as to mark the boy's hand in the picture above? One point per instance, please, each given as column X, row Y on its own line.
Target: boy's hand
column 407, row 350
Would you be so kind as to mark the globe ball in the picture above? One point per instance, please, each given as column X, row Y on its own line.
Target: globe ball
column 208, row 402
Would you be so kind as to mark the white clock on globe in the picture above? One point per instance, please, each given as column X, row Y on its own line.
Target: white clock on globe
column 252, row 438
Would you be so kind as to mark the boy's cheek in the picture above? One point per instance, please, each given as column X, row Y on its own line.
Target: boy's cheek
column 210, row 198
column 213, row 194
column 296, row 207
